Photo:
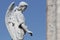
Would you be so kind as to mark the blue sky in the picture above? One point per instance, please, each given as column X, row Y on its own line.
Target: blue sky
column 35, row 16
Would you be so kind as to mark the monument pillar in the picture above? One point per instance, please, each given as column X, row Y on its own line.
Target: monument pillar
column 51, row 20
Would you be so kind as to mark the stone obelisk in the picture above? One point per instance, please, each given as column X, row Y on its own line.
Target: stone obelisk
column 53, row 20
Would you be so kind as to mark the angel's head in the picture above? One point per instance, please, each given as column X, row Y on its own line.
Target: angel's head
column 22, row 6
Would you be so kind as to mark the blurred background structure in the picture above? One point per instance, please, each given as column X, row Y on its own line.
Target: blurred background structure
column 53, row 19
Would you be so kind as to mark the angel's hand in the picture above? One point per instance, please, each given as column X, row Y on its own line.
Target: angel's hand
column 30, row 33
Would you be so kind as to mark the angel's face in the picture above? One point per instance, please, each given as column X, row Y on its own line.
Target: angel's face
column 23, row 7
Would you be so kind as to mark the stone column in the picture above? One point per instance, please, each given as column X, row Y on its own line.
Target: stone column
column 51, row 20
column 58, row 19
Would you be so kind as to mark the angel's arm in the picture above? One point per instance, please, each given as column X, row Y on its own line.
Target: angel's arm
column 26, row 29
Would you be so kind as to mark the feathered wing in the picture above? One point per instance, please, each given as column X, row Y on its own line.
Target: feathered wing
column 10, row 9
column 8, row 12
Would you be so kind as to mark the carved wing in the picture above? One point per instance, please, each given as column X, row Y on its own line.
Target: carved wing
column 11, row 7
column 8, row 12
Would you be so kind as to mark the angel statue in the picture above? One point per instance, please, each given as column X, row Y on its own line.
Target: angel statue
column 15, row 21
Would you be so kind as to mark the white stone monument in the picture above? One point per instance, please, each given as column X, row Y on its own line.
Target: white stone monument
column 15, row 21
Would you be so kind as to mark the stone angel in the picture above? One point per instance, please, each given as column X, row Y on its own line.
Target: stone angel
column 15, row 21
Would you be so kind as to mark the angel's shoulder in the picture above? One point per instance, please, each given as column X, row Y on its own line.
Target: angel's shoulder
column 15, row 8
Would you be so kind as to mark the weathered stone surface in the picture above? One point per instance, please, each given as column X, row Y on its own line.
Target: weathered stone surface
column 53, row 19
